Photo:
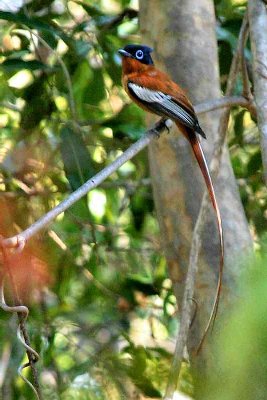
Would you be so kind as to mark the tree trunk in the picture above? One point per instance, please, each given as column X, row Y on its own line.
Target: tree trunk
column 182, row 33
column 258, row 37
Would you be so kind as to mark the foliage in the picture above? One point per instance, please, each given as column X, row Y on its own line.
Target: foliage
column 102, row 312
column 240, row 349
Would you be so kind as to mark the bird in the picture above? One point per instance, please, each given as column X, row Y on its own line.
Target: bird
column 155, row 92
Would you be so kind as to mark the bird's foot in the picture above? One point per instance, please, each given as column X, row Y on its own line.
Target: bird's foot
column 164, row 123
column 168, row 124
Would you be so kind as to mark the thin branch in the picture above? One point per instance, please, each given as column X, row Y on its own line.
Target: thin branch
column 186, row 313
column 206, row 106
column 19, row 240
column 22, row 333
column 258, row 38
column 226, row 101
column 130, row 13
column 245, row 78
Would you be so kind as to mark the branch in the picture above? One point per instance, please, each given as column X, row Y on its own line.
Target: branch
column 206, row 106
column 186, row 312
column 245, row 77
column 258, row 38
column 226, row 101
column 20, row 239
column 22, row 333
column 130, row 13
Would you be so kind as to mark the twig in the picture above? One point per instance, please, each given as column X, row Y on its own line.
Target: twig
column 127, row 12
column 22, row 334
column 245, row 78
column 186, row 312
column 226, row 101
column 258, row 38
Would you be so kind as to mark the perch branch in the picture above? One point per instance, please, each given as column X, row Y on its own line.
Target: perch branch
column 258, row 38
column 20, row 239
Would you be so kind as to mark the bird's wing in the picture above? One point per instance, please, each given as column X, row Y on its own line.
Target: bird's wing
column 163, row 104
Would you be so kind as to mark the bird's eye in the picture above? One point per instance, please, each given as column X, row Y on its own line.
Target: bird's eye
column 139, row 54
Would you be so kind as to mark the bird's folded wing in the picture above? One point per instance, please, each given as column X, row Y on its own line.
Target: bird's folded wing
column 163, row 104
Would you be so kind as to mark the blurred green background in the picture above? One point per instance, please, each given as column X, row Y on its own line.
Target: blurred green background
column 102, row 311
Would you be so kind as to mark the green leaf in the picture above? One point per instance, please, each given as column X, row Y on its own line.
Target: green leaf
column 39, row 104
column 77, row 166
column 88, row 87
column 95, row 91
column 128, row 123
column 77, row 160
column 225, row 35
column 35, row 23
column 91, row 10
column 16, row 64
column 239, row 127
column 82, row 48
column 255, row 163
column 138, row 371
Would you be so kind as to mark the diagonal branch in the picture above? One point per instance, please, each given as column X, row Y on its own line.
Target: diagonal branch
column 20, row 239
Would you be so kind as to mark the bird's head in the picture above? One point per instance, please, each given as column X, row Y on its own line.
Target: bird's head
column 137, row 52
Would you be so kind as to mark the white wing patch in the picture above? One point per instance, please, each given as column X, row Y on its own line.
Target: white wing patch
column 164, row 100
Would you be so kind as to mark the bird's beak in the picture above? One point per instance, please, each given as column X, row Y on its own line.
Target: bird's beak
column 124, row 53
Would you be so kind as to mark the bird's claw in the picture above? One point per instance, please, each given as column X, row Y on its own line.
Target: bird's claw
column 164, row 123
column 168, row 124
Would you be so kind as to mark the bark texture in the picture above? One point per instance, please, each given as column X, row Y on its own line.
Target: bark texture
column 182, row 33
column 258, row 37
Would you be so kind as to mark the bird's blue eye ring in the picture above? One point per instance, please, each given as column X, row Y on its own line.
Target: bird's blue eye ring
column 139, row 54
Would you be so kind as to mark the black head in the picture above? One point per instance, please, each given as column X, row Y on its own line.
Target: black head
column 138, row 52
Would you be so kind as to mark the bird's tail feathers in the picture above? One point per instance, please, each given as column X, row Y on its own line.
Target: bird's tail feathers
column 200, row 131
column 200, row 157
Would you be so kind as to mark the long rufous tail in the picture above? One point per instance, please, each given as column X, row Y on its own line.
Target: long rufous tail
column 200, row 157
